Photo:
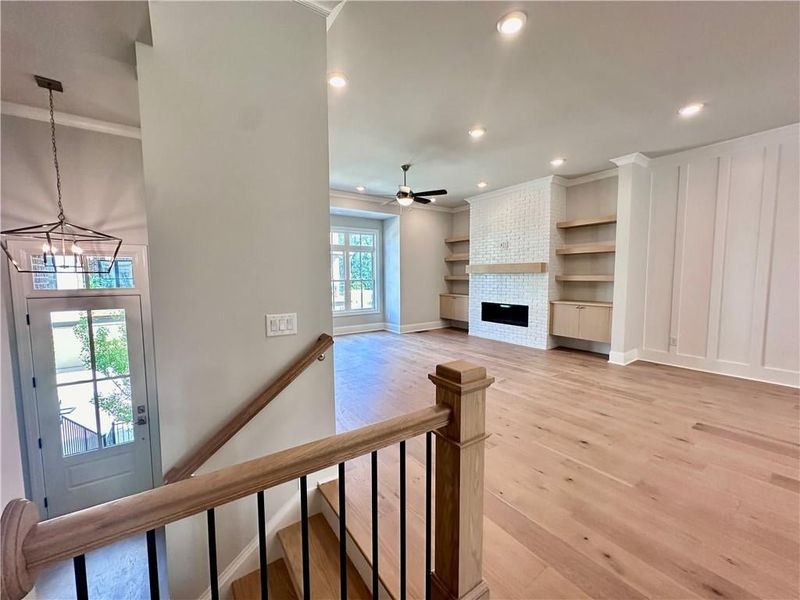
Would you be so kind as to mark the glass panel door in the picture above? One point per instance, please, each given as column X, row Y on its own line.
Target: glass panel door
column 91, row 399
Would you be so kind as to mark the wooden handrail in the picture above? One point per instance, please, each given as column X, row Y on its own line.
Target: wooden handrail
column 46, row 542
column 186, row 467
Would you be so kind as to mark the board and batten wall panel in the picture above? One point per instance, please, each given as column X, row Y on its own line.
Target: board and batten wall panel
column 723, row 259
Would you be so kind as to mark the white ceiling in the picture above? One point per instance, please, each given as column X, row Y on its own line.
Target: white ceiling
column 588, row 81
column 88, row 46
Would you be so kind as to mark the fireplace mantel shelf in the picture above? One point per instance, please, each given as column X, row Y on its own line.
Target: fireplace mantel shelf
column 535, row 267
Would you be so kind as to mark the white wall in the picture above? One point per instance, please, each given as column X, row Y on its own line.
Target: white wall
column 722, row 260
column 101, row 178
column 234, row 138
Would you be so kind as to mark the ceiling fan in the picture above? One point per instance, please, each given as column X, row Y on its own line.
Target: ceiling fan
column 405, row 196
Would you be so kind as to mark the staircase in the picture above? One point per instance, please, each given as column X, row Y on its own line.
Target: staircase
column 324, row 556
column 382, row 501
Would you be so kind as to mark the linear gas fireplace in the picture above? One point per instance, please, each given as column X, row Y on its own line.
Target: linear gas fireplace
column 507, row 314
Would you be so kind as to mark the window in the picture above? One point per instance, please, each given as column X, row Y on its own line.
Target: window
column 65, row 277
column 354, row 265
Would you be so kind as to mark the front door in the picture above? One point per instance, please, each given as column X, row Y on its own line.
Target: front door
column 91, row 399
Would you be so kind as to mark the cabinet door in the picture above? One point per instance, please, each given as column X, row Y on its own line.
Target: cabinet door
column 565, row 320
column 595, row 323
column 446, row 307
column 460, row 309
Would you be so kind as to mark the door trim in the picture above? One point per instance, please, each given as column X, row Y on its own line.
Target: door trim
column 27, row 415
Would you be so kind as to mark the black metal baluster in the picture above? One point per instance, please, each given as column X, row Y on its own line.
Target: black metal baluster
column 152, row 565
column 262, row 546
column 304, row 532
column 212, row 554
column 342, row 536
column 81, row 583
column 428, row 484
column 402, row 520
column 375, row 579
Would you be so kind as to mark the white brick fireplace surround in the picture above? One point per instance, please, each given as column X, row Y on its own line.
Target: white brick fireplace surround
column 516, row 225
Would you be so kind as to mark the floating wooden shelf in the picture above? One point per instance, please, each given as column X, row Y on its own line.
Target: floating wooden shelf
column 594, row 248
column 587, row 222
column 449, row 295
column 582, row 303
column 584, row 278
column 456, row 277
column 538, row 267
column 456, row 239
column 458, row 257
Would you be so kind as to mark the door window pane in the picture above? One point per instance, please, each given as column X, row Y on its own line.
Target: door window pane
column 356, row 302
column 115, row 404
column 368, row 294
column 71, row 346
column 78, row 418
column 337, row 266
column 110, row 339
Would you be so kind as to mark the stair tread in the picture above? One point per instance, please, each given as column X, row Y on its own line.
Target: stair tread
column 279, row 582
column 359, row 514
column 324, row 555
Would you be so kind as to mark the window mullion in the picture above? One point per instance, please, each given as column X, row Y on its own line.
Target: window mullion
column 347, row 305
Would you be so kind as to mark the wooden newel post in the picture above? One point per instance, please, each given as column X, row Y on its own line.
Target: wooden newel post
column 457, row 573
column 19, row 517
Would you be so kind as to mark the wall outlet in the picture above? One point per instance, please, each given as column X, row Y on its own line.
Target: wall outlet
column 282, row 324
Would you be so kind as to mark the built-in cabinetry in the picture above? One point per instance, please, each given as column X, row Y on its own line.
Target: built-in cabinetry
column 585, row 272
column 454, row 305
column 581, row 320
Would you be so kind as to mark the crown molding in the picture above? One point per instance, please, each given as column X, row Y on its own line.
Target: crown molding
column 614, row 172
column 533, row 184
column 636, row 158
column 42, row 114
column 313, row 6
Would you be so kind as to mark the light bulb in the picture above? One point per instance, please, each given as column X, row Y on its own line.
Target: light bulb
column 75, row 249
column 45, row 248
column 405, row 200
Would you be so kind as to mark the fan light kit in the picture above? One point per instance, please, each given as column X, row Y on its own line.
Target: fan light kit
column 477, row 132
column 691, row 110
column 63, row 244
column 557, row 162
column 406, row 197
column 337, row 80
column 512, row 22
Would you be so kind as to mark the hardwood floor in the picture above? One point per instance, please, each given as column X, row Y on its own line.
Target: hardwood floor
column 601, row 481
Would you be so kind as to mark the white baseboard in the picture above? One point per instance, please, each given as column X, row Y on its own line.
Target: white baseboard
column 364, row 328
column 623, row 358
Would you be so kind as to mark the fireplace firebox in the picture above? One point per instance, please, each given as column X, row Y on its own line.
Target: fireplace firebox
column 507, row 314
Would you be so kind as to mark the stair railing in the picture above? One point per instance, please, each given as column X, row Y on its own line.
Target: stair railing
column 187, row 466
column 453, row 568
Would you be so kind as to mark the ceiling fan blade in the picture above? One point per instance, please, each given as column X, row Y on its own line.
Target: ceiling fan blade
column 421, row 200
column 431, row 193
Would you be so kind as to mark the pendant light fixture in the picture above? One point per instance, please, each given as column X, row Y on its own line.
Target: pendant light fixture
column 59, row 246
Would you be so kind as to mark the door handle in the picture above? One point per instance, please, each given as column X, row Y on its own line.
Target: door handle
column 141, row 421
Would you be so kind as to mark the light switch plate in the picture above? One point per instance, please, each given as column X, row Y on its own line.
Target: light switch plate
column 281, row 324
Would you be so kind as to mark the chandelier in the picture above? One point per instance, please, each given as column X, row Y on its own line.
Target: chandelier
column 59, row 246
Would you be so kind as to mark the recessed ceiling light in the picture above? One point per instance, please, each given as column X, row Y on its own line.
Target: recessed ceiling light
column 360, row 188
column 477, row 132
column 337, row 80
column 557, row 162
column 691, row 110
column 512, row 22
column 482, row 184
column 433, row 199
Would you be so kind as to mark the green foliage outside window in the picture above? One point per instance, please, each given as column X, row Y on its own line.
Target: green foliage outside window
column 111, row 360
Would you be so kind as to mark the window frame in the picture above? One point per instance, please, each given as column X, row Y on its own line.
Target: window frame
column 377, row 268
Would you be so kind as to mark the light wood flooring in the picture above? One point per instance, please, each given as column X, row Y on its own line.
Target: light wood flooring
column 601, row 481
